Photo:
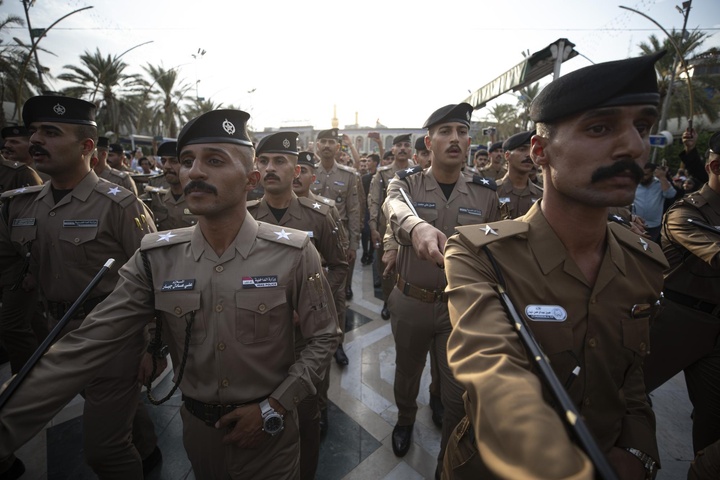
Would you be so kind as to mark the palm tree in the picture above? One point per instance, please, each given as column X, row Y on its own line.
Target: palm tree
column 167, row 95
column 100, row 79
column 525, row 97
column 505, row 116
column 200, row 106
column 679, row 101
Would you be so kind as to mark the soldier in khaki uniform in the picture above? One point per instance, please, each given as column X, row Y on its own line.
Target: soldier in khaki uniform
column 494, row 167
column 339, row 183
column 17, row 150
column 276, row 158
column 237, row 283
column 443, row 198
column 515, row 190
column 169, row 207
column 103, row 170
column 584, row 286
column 70, row 227
column 480, row 160
column 686, row 334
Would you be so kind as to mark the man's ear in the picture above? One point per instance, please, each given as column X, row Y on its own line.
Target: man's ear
column 538, row 150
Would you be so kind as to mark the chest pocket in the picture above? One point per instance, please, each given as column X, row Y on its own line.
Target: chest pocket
column 470, row 216
column 430, row 215
column 176, row 308
column 261, row 315
column 636, row 334
column 22, row 235
column 73, row 242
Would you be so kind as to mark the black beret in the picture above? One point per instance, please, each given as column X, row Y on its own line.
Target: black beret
column 306, row 158
column 518, row 140
column 332, row 133
column 103, row 142
column 388, row 154
column 450, row 113
column 714, row 143
column 420, row 144
column 280, row 142
column 481, row 149
column 116, row 148
column 402, row 138
column 16, row 131
column 622, row 82
column 216, row 126
column 167, row 149
column 58, row 109
column 495, row 146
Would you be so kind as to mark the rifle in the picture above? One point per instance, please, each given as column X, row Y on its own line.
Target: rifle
column 23, row 373
column 569, row 413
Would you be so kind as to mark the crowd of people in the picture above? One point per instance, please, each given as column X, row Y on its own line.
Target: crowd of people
column 236, row 260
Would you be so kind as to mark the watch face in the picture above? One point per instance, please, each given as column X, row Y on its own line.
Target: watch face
column 273, row 424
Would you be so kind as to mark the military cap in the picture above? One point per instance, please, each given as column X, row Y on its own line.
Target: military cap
column 167, row 149
column 280, row 142
column 495, row 146
column 632, row 81
column 58, row 109
column 518, row 140
column 420, row 144
column 332, row 134
column 16, row 131
column 217, row 126
column 103, row 142
column 481, row 148
column 116, row 148
column 306, row 158
column 388, row 154
column 401, row 138
column 460, row 113
column 714, row 143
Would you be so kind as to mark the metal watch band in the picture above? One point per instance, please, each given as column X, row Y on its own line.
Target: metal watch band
column 646, row 460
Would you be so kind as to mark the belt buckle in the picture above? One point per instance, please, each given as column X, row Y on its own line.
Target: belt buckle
column 427, row 296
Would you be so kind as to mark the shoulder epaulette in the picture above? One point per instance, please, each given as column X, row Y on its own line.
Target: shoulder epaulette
column 485, row 182
column 346, row 168
column 484, row 234
column 327, row 201
column 409, row 171
column 315, row 205
column 694, row 199
column 21, row 191
column 384, row 167
column 166, row 238
column 13, row 165
column 118, row 173
column 282, row 235
column 113, row 191
column 159, row 190
column 638, row 244
column 615, row 218
column 252, row 204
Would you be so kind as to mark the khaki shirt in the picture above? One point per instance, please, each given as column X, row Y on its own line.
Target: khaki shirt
column 70, row 241
column 518, row 433
column 335, row 216
column 377, row 194
column 119, row 178
column 515, row 203
column 693, row 252
column 168, row 212
column 15, row 175
column 471, row 201
column 340, row 184
column 490, row 172
column 241, row 344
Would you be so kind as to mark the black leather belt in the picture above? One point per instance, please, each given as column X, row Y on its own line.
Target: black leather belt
column 210, row 413
column 427, row 296
column 692, row 302
column 58, row 309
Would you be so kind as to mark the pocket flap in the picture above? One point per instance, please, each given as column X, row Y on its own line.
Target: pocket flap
column 261, row 301
column 177, row 304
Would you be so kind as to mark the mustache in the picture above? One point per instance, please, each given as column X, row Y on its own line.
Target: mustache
column 34, row 149
column 271, row 175
column 199, row 185
column 527, row 160
column 617, row 168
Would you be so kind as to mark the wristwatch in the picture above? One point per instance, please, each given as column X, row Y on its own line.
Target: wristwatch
column 647, row 461
column 272, row 421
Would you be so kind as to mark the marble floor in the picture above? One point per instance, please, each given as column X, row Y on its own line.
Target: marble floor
column 362, row 414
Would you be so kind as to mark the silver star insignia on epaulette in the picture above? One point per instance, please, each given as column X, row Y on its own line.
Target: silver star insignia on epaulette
column 114, row 191
column 645, row 245
column 316, row 206
column 166, row 236
column 326, row 200
column 21, row 190
column 489, row 231
column 409, row 169
column 485, row 181
column 618, row 218
column 282, row 234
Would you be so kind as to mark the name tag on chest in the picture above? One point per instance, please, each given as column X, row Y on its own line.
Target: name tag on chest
column 471, row 211
column 23, row 222
column 546, row 313
column 263, row 281
column 425, row 205
column 80, row 223
column 173, row 285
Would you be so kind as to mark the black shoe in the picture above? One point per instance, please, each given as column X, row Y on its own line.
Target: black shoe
column 323, row 422
column 385, row 313
column 401, row 439
column 152, row 461
column 437, row 410
column 340, row 356
column 16, row 470
column 348, row 293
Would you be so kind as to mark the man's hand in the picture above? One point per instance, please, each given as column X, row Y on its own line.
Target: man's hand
column 689, row 140
column 626, row 465
column 245, row 425
column 429, row 243
column 375, row 236
column 350, row 254
column 389, row 259
column 145, row 368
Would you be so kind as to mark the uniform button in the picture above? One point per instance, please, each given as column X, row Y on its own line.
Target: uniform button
column 178, row 310
column 221, row 346
column 218, row 308
column 224, row 383
column 447, row 206
column 642, row 347
column 586, row 402
column 592, row 342
column 52, row 214
column 593, row 300
column 77, row 240
column 296, row 400
column 219, row 268
column 262, row 307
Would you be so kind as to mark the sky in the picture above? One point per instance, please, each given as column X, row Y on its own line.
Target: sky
column 288, row 63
